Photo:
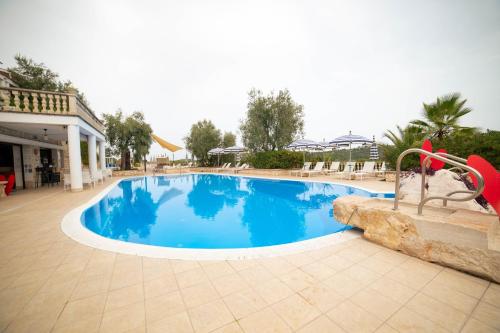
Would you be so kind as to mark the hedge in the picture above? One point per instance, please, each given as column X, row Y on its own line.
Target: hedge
column 281, row 159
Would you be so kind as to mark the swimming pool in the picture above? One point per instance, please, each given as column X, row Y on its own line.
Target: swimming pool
column 206, row 211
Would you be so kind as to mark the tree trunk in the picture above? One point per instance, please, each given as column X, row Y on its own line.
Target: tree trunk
column 125, row 160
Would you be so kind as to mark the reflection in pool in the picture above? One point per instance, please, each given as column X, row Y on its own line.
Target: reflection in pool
column 216, row 211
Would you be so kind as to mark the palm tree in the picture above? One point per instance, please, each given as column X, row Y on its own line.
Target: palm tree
column 402, row 139
column 442, row 117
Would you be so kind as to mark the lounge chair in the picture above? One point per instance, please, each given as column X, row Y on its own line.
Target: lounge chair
column 318, row 169
column 87, row 178
column 381, row 170
column 224, row 167
column 368, row 169
column 349, row 168
column 244, row 166
column 307, row 166
column 97, row 176
column 334, row 168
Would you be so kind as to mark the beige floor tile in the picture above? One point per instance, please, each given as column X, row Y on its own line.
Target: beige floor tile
column 124, row 296
column 163, row 306
column 411, row 279
column 277, row 265
column 156, row 269
column 393, row 289
column 39, row 276
column 362, row 274
column 352, row 254
column 90, row 287
column 391, row 257
column 199, row 294
column 163, row 285
column 297, row 280
column 230, row 328
column 82, row 308
column 492, row 295
column 244, row 303
column 421, row 267
column 475, row 326
column 295, row 311
column 209, row 316
column 377, row 304
column 352, row 318
column 178, row 323
column 487, row 314
column 124, row 318
column 40, row 323
column 377, row 265
column 124, row 278
column 218, row 269
column 386, row 329
column 228, row 284
column 191, row 277
column 273, row 291
column 240, row 265
column 408, row 321
column 322, row 324
column 322, row 297
column 255, row 275
column 299, row 259
column 264, row 321
column 462, row 282
column 180, row 266
column 438, row 312
column 318, row 270
column 87, row 324
column 337, row 263
column 456, row 299
column 343, row 284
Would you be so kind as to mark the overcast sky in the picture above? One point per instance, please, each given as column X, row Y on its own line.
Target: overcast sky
column 359, row 65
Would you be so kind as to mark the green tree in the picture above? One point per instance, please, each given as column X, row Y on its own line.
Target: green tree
column 442, row 117
column 228, row 140
column 203, row 137
column 126, row 135
column 36, row 76
column 272, row 122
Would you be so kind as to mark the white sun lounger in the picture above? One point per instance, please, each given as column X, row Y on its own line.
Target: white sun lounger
column 334, row 168
column 368, row 169
column 349, row 168
column 307, row 166
column 381, row 170
column 224, row 167
column 318, row 169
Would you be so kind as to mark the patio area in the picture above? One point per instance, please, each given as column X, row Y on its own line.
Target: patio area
column 50, row 283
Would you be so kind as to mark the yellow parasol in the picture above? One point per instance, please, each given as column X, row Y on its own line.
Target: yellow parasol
column 165, row 144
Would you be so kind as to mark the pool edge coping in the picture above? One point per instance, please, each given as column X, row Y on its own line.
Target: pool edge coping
column 73, row 228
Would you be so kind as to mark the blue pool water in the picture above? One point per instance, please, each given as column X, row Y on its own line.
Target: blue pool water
column 216, row 211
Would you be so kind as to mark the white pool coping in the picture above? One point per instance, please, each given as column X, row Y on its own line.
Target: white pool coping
column 71, row 225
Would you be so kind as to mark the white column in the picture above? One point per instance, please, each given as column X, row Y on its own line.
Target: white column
column 92, row 155
column 102, row 155
column 75, row 159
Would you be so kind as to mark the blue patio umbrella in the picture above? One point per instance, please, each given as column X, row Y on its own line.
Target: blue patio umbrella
column 349, row 140
column 303, row 144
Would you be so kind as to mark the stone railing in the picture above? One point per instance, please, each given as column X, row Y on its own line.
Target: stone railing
column 47, row 102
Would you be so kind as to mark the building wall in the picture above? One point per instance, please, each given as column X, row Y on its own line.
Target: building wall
column 31, row 157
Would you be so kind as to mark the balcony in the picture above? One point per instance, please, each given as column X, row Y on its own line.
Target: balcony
column 28, row 101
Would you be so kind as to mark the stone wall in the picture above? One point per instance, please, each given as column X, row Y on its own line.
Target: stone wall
column 465, row 240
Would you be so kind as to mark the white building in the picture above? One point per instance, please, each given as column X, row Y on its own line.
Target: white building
column 41, row 128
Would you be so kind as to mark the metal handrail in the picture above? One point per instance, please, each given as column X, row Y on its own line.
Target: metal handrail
column 447, row 158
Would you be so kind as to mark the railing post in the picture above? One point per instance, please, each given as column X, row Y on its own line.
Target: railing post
column 51, row 102
column 72, row 104
column 4, row 99
column 35, row 102
column 44, row 102
column 17, row 101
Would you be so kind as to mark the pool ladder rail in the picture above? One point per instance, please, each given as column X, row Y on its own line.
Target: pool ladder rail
column 457, row 162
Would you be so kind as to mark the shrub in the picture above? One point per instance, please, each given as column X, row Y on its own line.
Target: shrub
column 281, row 159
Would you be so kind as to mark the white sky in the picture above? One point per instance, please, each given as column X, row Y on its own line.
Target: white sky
column 362, row 65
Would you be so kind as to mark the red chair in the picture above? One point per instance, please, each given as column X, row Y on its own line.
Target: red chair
column 10, row 184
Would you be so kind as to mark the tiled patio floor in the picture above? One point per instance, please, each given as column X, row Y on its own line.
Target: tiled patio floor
column 51, row 283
